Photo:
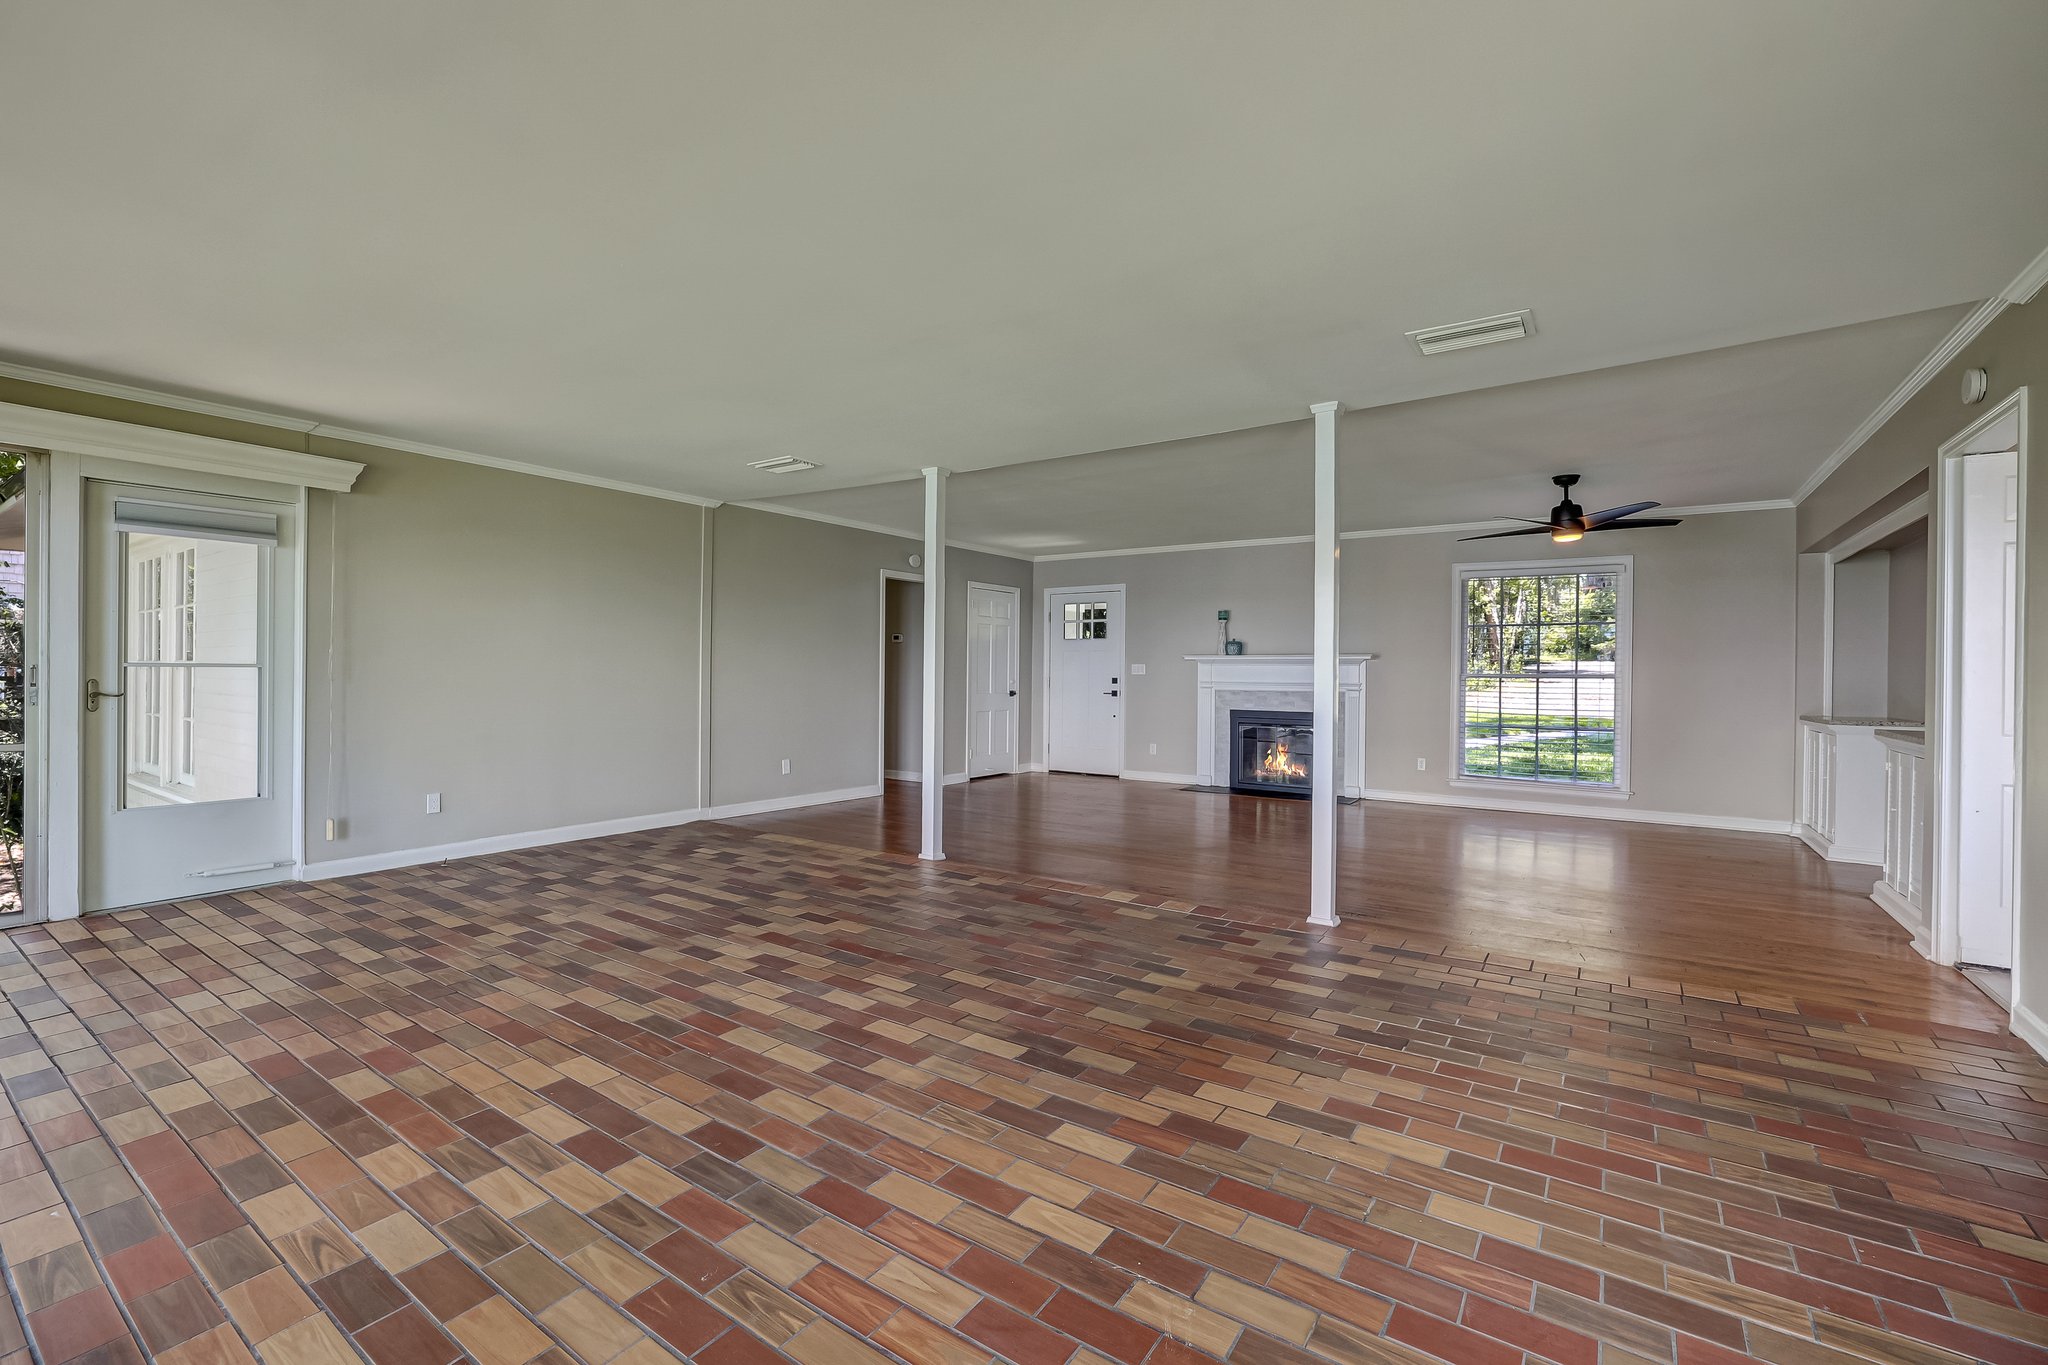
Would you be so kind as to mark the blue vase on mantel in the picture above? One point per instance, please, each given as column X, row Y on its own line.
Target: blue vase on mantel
column 1233, row 647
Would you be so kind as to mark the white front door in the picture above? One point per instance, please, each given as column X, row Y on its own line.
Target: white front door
column 1084, row 637
column 991, row 679
column 1986, row 756
column 188, row 629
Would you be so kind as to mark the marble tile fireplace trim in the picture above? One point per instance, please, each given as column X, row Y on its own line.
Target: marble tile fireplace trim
column 1273, row 682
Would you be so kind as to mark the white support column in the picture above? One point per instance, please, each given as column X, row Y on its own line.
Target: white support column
column 1322, row 872
column 934, row 767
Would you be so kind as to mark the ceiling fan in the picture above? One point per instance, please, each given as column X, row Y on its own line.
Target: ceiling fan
column 1568, row 521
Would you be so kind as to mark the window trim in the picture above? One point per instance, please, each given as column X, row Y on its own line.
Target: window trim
column 1624, row 674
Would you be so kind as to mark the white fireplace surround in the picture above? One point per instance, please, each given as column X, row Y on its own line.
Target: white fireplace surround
column 1273, row 682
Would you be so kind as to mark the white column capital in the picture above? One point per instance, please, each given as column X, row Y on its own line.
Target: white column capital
column 1334, row 405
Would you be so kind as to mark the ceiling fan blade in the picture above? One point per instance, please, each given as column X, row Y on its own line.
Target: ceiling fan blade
column 1637, row 523
column 1617, row 513
column 1540, row 529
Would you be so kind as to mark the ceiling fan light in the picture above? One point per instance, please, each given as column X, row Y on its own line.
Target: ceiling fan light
column 1565, row 535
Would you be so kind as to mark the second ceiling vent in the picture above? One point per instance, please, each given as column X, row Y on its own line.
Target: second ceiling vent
column 1478, row 332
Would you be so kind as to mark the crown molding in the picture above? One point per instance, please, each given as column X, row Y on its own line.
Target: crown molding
column 805, row 514
column 2029, row 281
column 2023, row 287
column 538, row 471
column 1172, row 549
column 99, row 436
column 157, row 398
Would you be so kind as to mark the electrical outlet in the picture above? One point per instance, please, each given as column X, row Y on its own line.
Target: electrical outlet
column 433, row 803
column 1155, row 751
column 1421, row 765
column 785, row 767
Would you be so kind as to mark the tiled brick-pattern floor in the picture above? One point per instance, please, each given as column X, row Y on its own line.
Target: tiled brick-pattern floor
column 744, row 1098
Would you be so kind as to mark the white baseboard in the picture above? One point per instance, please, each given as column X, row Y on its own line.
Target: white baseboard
column 1739, row 823
column 496, row 843
column 798, row 802
column 1911, row 918
column 1838, row 853
column 1178, row 779
column 905, row 775
column 2030, row 1028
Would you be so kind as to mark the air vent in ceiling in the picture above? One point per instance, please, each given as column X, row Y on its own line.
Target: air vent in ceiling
column 1478, row 332
column 781, row 464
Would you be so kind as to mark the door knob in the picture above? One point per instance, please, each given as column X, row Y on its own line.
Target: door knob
column 93, row 694
column 1110, row 693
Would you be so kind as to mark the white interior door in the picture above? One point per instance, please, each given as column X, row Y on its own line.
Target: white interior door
column 189, row 614
column 991, row 679
column 1986, row 755
column 1085, row 669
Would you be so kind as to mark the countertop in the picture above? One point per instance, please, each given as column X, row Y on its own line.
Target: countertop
column 1867, row 722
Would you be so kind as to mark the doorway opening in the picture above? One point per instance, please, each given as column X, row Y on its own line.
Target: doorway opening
column 902, row 677
column 1980, row 549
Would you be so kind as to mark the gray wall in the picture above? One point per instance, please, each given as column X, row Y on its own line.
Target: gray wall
column 795, row 652
column 2014, row 350
column 903, row 678
column 1906, row 631
column 1714, row 601
column 525, row 647
column 530, row 648
column 1862, row 648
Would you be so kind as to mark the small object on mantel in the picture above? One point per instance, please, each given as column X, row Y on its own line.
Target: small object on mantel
column 1233, row 648
column 1223, row 631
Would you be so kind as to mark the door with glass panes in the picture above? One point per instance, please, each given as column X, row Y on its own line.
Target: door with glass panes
column 188, row 703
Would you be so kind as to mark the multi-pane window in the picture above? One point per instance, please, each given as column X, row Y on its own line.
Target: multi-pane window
column 1084, row 621
column 1543, row 672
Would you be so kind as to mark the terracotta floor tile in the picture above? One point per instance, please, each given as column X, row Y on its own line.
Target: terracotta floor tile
column 755, row 1098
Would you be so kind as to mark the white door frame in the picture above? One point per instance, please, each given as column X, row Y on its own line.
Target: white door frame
column 84, row 448
column 966, row 667
column 1043, row 709
column 1945, row 913
column 882, row 669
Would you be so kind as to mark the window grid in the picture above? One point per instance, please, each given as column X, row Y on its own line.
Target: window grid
column 1542, row 660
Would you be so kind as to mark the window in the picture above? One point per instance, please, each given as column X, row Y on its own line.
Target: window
column 192, row 672
column 1085, row 621
column 1543, row 681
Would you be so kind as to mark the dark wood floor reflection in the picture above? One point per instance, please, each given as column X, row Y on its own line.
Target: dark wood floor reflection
column 1752, row 913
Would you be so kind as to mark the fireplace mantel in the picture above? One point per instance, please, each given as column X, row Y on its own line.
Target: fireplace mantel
column 1274, row 682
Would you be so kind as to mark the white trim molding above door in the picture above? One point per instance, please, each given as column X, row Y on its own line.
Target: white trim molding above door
column 76, row 435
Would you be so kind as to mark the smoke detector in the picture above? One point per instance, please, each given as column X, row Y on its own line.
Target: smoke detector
column 781, row 464
column 1478, row 332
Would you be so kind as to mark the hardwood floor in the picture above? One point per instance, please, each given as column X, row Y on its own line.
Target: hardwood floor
column 745, row 1098
column 1760, row 915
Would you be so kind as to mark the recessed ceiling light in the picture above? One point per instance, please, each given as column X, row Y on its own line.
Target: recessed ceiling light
column 781, row 464
column 1477, row 332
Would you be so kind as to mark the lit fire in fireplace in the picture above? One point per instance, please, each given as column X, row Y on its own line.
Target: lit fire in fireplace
column 1279, row 766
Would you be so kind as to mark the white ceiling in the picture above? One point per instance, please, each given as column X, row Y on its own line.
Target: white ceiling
column 1735, row 425
column 653, row 241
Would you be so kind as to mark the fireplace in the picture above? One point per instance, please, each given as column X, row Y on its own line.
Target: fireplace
column 1271, row 752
